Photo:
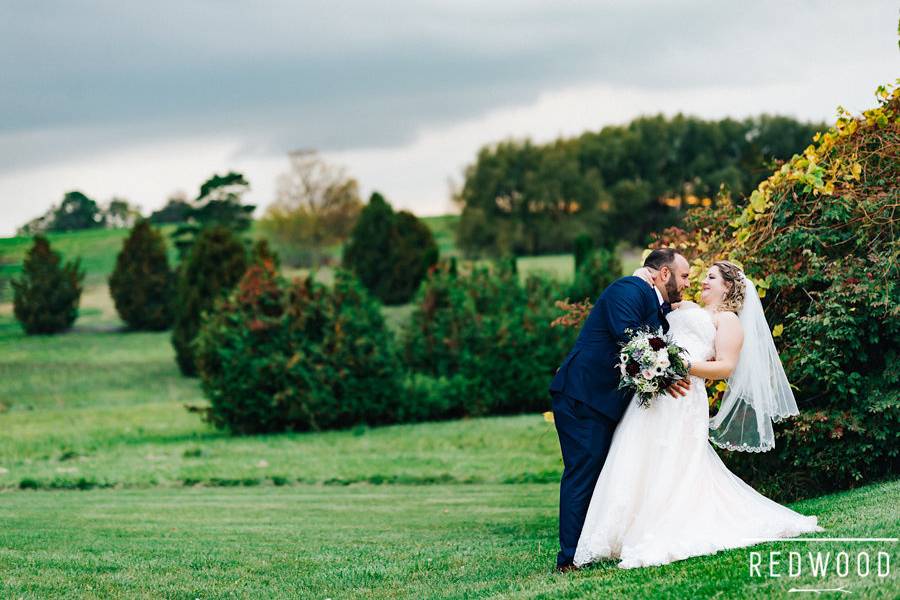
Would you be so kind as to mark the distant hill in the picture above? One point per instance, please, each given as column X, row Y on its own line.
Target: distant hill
column 98, row 248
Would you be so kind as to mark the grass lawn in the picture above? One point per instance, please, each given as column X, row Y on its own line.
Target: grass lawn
column 109, row 487
column 97, row 249
column 438, row 541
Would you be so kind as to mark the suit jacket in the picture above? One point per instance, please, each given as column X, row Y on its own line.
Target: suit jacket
column 589, row 372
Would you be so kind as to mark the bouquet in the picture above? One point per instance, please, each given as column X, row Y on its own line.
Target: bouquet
column 649, row 363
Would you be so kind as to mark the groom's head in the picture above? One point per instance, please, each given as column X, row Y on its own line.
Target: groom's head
column 670, row 272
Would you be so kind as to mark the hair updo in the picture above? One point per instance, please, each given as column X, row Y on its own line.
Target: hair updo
column 733, row 277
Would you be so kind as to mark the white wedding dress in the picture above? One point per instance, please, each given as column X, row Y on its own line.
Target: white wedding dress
column 664, row 494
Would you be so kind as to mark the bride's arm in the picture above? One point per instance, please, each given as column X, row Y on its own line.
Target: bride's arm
column 729, row 339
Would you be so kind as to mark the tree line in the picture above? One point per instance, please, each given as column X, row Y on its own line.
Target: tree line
column 617, row 184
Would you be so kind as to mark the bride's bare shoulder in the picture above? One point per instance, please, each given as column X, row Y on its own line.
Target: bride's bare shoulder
column 685, row 304
column 727, row 318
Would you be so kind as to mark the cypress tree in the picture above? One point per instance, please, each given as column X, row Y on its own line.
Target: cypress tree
column 215, row 263
column 368, row 250
column 390, row 252
column 142, row 285
column 46, row 296
column 413, row 251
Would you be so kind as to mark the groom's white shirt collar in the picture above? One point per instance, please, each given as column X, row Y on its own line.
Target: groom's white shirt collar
column 658, row 295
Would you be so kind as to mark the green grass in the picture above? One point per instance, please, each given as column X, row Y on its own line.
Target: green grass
column 109, row 487
column 439, row 541
column 161, row 444
column 556, row 266
column 122, row 399
column 443, row 228
column 97, row 249
column 436, row 510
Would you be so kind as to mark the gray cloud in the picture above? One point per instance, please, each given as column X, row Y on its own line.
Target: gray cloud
column 80, row 76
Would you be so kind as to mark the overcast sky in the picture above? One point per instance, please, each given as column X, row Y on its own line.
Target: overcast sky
column 139, row 100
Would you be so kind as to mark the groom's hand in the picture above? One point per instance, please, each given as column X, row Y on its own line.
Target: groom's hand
column 679, row 388
column 646, row 274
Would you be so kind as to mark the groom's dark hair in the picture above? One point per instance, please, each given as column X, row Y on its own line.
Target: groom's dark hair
column 660, row 258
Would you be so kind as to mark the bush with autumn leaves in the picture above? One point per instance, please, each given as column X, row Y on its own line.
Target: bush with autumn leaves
column 819, row 238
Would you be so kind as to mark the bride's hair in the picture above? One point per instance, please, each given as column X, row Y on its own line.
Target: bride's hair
column 734, row 286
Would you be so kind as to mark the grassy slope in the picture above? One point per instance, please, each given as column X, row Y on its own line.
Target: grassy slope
column 121, row 399
column 477, row 541
column 96, row 407
column 97, row 249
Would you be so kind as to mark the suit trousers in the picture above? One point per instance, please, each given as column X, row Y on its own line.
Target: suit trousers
column 585, row 435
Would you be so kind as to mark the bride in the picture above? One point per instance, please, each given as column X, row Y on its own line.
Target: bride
column 664, row 494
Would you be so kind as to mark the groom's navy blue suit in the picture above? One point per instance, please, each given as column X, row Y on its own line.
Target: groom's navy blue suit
column 587, row 404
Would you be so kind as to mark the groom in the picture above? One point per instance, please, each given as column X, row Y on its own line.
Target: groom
column 587, row 404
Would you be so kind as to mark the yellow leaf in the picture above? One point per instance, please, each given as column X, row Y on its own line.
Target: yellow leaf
column 548, row 416
column 761, row 292
column 721, row 386
column 777, row 330
column 757, row 201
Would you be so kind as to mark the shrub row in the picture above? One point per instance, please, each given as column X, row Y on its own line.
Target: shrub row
column 277, row 355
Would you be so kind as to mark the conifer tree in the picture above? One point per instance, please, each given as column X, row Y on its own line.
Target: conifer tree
column 142, row 284
column 46, row 295
column 216, row 262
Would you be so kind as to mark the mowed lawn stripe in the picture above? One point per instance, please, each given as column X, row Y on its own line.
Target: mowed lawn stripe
column 361, row 541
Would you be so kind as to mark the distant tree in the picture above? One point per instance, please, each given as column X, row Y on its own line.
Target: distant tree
column 413, row 251
column 316, row 206
column 214, row 264
column 37, row 225
column 142, row 285
column 619, row 183
column 47, row 293
column 176, row 210
column 220, row 203
column 120, row 214
column 366, row 252
column 390, row 252
column 76, row 212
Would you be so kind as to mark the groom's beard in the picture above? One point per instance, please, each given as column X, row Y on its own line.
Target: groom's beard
column 672, row 289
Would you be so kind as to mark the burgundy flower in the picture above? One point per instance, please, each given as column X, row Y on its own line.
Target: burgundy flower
column 657, row 343
column 632, row 368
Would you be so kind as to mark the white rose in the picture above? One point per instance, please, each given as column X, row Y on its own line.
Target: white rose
column 662, row 359
column 647, row 373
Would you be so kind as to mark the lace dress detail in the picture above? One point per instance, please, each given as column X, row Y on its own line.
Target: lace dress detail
column 664, row 494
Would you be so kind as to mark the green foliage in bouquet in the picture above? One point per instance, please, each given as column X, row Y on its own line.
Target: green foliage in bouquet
column 485, row 341
column 819, row 239
column 215, row 263
column 274, row 356
column 142, row 284
column 46, row 295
